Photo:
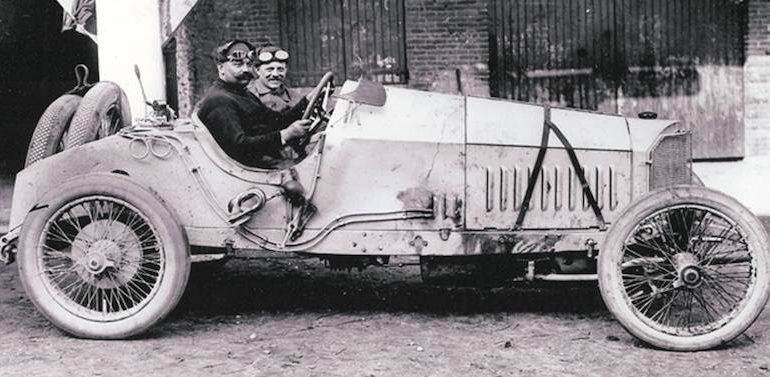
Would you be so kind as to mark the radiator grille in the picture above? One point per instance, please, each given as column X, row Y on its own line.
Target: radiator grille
column 671, row 161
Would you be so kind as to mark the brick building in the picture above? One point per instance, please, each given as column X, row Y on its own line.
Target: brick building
column 438, row 37
column 606, row 55
column 609, row 55
column 757, row 78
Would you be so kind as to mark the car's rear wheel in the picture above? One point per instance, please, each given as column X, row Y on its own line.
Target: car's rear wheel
column 103, row 257
column 51, row 130
column 685, row 268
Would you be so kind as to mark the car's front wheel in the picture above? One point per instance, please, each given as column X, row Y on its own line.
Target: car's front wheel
column 103, row 258
column 685, row 268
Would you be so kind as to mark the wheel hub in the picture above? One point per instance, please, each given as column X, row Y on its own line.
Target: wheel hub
column 108, row 253
column 96, row 264
column 100, row 255
column 688, row 271
column 691, row 276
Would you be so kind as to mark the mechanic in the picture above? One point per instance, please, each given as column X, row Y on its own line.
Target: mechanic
column 246, row 129
column 270, row 70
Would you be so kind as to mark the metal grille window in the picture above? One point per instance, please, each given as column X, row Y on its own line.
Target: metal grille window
column 351, row 38
column 670, row 164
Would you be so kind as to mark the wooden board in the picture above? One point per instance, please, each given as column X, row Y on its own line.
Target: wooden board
column 352, row 38
column 681, row 58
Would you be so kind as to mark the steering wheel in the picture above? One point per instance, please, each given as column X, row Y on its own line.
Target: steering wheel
column 315, row 110
column 320, row 94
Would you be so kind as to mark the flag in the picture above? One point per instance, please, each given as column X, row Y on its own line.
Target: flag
column 79, row 15
column 173, row 13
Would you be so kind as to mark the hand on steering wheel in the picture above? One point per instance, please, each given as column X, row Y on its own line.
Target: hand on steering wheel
column 315, row 110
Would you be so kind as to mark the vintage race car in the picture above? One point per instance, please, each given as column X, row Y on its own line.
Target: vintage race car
column 484, row 190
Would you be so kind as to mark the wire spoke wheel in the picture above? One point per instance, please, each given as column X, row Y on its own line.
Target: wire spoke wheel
column 103, row 258
column 685, row 268
column 100, row 258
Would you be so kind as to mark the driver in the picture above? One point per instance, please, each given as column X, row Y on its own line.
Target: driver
column 246, row 129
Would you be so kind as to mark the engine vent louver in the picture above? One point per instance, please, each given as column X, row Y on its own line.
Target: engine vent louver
column 557, row 188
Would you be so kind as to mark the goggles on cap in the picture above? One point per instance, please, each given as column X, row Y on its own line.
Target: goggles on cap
column 268, row 56
column 240, row 55
column 236, row 55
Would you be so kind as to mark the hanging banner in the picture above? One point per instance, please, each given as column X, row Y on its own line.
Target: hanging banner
column 79, row 15
column 173, row 13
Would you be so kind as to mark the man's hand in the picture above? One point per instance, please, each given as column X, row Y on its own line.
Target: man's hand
column 295, row 130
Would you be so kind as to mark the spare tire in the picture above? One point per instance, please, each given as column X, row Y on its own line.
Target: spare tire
column 103, row 112
column 51, row 130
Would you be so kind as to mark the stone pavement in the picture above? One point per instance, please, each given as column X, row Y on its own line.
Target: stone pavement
column 747, row 180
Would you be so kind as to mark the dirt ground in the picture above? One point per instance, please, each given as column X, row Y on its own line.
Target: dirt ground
column 293, row 317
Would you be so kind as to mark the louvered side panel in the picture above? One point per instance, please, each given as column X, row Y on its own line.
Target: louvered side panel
column 496, row 188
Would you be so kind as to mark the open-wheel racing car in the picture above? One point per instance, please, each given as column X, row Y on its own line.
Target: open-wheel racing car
column 493, row 191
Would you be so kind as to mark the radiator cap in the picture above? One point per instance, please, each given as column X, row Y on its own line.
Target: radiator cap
column 648, row 115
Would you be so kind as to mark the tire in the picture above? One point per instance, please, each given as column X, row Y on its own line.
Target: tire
column 103, row 112
column 50, row 132
column 685, row 268
column 103, row 258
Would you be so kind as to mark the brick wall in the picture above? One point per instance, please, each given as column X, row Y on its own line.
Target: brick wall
column 209, row 24
column 443, row 36
column 757, row 79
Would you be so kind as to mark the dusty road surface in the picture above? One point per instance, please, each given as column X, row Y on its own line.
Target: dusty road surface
column 293, row 317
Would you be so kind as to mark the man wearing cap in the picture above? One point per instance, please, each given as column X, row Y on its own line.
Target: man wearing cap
column 245, row 128
column 268, row 85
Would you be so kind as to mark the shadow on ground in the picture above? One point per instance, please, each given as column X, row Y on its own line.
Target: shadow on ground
column 306, row 285
column 245, row 286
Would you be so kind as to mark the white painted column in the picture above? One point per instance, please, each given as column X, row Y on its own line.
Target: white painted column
column 129, row 33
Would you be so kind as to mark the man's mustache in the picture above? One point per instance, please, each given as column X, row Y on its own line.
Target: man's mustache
column 245, row 76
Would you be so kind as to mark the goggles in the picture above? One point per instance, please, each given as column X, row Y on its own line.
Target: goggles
column 269, row 56
column 236, row 55
column 241, row 56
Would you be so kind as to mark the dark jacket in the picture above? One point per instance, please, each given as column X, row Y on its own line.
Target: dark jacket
column 243, row 126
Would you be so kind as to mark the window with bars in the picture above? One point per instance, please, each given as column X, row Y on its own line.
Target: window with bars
column 352, row 38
